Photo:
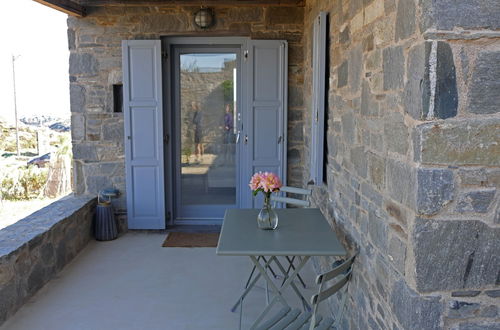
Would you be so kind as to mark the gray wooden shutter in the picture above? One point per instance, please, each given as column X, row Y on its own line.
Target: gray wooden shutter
column 318, row 100
column 266, row 102
column 142, row 103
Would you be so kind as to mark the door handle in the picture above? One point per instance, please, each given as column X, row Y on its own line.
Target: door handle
column 238, row 137
column 279, row 139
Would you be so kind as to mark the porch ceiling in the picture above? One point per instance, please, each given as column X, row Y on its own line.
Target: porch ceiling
column 78, row 8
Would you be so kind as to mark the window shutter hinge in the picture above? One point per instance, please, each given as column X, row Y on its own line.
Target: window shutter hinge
column 164, row 54
column 245, row 54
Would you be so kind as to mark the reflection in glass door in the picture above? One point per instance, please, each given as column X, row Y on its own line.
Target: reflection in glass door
column 206, row 91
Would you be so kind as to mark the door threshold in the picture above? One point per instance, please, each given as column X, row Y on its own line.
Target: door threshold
column 194, row 228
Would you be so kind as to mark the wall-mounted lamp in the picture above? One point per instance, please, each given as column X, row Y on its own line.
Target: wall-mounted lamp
column 204, row 18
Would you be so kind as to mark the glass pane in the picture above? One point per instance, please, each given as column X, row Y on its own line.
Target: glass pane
column 208, row 113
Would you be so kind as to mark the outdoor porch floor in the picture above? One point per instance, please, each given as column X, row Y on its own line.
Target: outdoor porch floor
column 134, row 283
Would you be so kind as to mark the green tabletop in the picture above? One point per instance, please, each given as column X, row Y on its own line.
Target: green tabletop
column 300, row 232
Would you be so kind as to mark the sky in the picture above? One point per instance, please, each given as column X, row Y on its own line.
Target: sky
column 38, row 35
column 212, row 62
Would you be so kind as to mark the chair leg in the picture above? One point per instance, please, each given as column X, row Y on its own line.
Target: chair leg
column 291, row 266
column 250, row 277
column 269, row 267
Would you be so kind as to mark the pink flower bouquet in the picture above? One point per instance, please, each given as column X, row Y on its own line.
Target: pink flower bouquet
column 266, row 182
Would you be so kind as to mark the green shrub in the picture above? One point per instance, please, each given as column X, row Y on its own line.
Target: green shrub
column 23, row 184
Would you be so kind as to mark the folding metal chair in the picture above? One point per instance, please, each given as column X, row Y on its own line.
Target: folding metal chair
column 297, row 202
column 293, row 201
column 293, row 319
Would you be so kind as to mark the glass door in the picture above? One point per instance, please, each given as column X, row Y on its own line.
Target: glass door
column 206, row 120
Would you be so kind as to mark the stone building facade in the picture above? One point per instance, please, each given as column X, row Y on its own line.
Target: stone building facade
column 413, row 139
column 95, row 66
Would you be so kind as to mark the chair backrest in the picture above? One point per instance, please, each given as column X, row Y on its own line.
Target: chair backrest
column 292, row 201
column 341, row 274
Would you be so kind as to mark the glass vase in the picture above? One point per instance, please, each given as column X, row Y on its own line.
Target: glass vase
column 267, row 218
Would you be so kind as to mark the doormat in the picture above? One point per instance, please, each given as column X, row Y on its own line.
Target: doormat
column 177, row 239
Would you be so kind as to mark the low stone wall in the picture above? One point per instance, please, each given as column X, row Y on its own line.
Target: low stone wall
column 36, row 248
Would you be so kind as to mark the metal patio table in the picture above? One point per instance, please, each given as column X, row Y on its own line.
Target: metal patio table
column 301, row 232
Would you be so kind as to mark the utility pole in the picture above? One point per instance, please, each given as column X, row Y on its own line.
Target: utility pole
column 15, row 103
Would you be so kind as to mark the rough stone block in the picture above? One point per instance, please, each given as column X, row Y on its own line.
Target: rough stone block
column 455, row 254
column 493, row 293
column 445, row 93
column 83, row 63
column 295, row 96
column 405, row 19
column 247, row 14
column 478, row 326
column 462, row 309
column 344, row 36
column 435, row 190
column 113, row 131
column 459, row 142
column 358, row 159
column 378, row 231
column 8, row 298
column 77, row 98
column 369, row 107
column 371, row 194
column 368, row 43
column 397, row 254
column 71, row 39
column 348, row 128
column 356, row 66
column 84, row 152
column 376, row 165
column 484, row 97
column 401, row 182
column 473, row 176
column 373, row 11
column 476, row 201
column 493, row 175
column 354, row 7
column 374, row 60
column 417, row 96
column 469, row 293
column 414, row 311
column 162, row 23
column 467, row 14
column 285, row 15
column 343, row 74
column 393, row 68
column 489, row 312
column 97, row 183
column 395, row 211
column 389, row 6
column 77, row 127
column 396, row 135
column 414, row 88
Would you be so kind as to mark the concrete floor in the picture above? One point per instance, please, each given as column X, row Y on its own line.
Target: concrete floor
column 134, row 283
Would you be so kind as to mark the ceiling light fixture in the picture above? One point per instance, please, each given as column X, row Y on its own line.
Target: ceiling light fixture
column 204, row 18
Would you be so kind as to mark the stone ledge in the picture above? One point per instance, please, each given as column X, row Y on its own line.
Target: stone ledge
column 36, row 248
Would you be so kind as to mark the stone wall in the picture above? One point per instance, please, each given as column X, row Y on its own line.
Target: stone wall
column 95, row 65
column 413, row 158
column 36, row 248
